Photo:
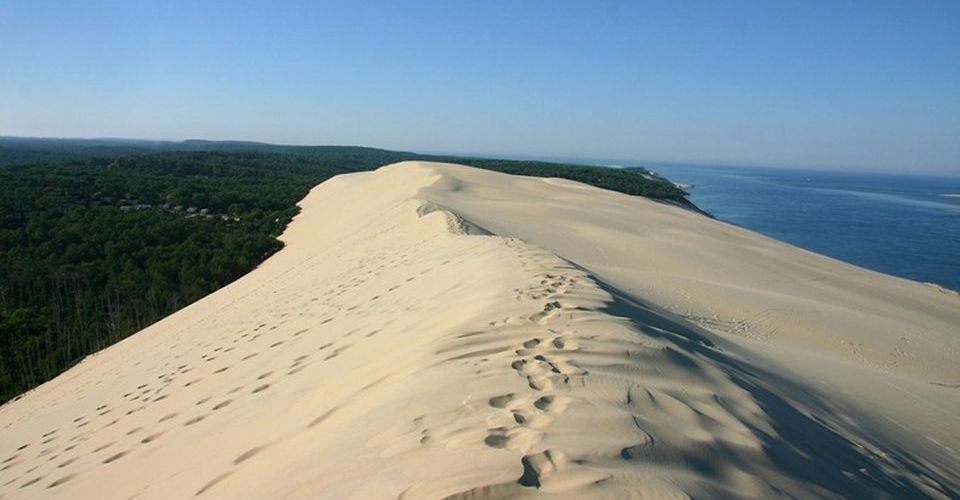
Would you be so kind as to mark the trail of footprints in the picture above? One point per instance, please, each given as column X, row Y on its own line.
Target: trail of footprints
column 74, row 451
column 537, row 346
column 542, row 360
column 62, row 454
column 549, row 347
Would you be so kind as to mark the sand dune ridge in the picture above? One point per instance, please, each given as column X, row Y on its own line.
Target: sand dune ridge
column 434, row 330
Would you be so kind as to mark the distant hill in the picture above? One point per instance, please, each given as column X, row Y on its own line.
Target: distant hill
column 32, row 151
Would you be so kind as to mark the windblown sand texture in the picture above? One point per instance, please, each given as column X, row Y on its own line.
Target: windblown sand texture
column 434, row 330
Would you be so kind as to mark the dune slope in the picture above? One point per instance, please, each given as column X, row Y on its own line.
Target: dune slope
column 434, row 330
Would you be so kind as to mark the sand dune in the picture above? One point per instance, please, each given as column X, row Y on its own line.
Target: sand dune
column 434, row 330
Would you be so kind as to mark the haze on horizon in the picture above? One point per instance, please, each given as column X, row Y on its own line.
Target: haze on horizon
column 861, row 85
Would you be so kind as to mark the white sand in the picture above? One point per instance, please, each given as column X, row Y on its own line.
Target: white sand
column 432, row 330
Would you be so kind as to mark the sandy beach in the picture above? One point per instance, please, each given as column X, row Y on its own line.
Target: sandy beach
column 432, row 330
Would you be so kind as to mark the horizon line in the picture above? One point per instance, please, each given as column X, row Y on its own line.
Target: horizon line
column 592, row 161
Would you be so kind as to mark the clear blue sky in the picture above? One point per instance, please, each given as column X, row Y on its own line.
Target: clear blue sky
column 871, row 84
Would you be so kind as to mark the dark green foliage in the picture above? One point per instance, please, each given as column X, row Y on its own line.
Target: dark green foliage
column 30, row 151
column 633, row 180
column 35, row 151
column 636, row 181
column 84, row 262
column 102, row 242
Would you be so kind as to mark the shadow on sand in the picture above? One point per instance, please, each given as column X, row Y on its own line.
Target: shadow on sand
column 811, row 443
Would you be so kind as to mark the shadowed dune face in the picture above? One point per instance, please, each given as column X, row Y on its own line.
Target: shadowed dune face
column 403, row 347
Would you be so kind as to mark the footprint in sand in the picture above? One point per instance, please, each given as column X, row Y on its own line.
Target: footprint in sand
column 115, row 457
column 60, row 481
column 501, row 401
column 194, row 420
column 152, row 437
column 222, row 404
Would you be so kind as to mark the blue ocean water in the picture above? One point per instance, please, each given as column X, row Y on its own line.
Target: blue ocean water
column 907, row 226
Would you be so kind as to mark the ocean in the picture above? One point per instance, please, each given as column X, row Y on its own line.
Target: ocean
column 904, row 225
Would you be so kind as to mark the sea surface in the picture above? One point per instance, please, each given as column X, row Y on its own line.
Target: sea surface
column 904, row 225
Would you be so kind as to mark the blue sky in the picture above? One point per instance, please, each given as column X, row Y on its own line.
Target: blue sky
column 869, row 85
